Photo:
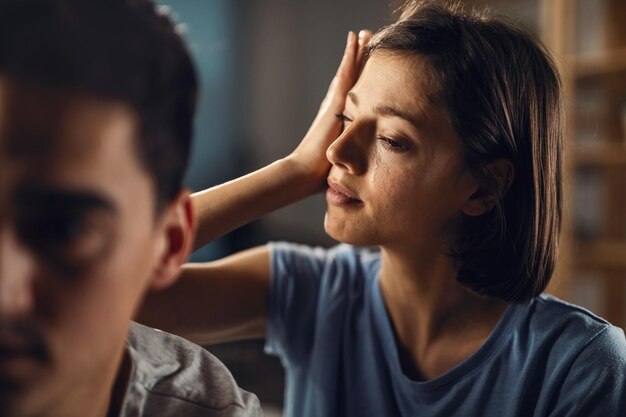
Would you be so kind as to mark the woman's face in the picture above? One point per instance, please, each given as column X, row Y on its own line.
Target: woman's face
column 398, row 177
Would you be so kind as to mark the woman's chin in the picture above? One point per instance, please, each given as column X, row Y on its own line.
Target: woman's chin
column 342, row 232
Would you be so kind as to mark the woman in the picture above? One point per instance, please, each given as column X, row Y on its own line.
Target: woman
column 448, row 160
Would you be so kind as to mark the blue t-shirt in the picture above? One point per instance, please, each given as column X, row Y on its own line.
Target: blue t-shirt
column 328, row 323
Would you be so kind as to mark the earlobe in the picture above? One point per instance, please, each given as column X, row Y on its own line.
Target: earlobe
column 177, row 229
column 500, row 173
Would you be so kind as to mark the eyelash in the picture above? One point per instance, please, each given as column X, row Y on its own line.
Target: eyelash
column 343, row 119
column 388, row 143
column 392, row 145
column 67, row 240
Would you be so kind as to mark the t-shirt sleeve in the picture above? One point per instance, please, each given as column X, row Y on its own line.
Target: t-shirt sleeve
column 307, row 286
column 596, row 383
column 296, row 275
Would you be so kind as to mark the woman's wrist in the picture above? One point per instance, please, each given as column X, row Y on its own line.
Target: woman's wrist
column 310, row 179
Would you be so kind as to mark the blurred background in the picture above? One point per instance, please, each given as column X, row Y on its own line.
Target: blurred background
column 265, row 67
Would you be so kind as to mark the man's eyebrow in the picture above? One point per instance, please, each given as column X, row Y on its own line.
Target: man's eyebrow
column 54, row 196
column 388, row 111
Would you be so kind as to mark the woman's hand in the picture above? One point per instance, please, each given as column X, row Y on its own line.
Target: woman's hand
column 310, row 155
column 200, row 304
column 228, row 206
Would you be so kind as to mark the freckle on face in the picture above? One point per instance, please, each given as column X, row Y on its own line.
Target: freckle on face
column 408, row 193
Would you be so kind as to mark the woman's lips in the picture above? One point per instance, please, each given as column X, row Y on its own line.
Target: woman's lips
column 339, row 195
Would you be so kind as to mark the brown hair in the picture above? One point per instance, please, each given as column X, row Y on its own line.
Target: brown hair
column 123, row 50
column 502, row 94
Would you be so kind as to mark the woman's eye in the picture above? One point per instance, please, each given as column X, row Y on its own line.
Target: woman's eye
column 391, row 144
column 345, row 120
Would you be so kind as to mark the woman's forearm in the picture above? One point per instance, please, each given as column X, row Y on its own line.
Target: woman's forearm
column 223, row 208
column 226, row 207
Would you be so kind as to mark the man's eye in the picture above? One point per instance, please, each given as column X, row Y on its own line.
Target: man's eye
column 64, row 238
column 63, row 230
column 58, row 230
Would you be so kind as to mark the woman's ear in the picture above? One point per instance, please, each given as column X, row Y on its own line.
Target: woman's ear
column 499, row 172
column 177, row 231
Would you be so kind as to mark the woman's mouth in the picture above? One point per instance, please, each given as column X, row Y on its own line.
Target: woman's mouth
column 338, row 195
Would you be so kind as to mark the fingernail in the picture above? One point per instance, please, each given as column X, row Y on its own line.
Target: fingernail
column 361, row 35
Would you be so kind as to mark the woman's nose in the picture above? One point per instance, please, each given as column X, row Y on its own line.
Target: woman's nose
column 349, row 150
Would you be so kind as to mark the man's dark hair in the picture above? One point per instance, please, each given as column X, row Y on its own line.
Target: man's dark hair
column 122, row 50
column 502, row 94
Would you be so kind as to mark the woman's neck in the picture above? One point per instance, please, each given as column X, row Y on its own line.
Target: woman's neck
column 437, row 321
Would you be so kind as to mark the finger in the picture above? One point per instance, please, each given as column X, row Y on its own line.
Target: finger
column 346, row 73
column 364, row 38
column 349, row 54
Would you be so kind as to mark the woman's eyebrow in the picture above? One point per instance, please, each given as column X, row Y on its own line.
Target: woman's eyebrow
column 388, row 111
column 353, row 97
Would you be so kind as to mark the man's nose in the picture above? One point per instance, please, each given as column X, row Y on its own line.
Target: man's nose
column 16, row 272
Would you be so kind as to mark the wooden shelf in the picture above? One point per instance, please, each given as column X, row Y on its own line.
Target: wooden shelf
column 601, row 73
column 599, row 155
column 599, row 64
column 605, row 255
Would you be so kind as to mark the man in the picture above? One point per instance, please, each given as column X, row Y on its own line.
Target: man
column 96, row 105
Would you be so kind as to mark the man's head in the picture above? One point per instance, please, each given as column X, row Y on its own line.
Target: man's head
column 96, row 106
column 122, row 50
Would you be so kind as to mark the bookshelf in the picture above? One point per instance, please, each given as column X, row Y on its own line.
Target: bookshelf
column 588, row 39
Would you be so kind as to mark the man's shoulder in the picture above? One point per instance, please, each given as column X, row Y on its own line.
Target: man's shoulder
column 172, row 376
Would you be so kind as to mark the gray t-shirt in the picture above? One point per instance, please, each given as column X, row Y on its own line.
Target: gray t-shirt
column 172, row 377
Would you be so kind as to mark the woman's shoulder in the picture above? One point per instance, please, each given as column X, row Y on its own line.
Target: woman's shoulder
column 571, row 327
column 341, row 249
column 581, row 355
column 339, row 260
column 565, row 313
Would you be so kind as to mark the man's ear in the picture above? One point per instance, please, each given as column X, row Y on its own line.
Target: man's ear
column 177, row 229
column 499, row 172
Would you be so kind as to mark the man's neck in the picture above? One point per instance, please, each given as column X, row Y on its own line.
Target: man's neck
column 118, row 394
column 102, row 396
